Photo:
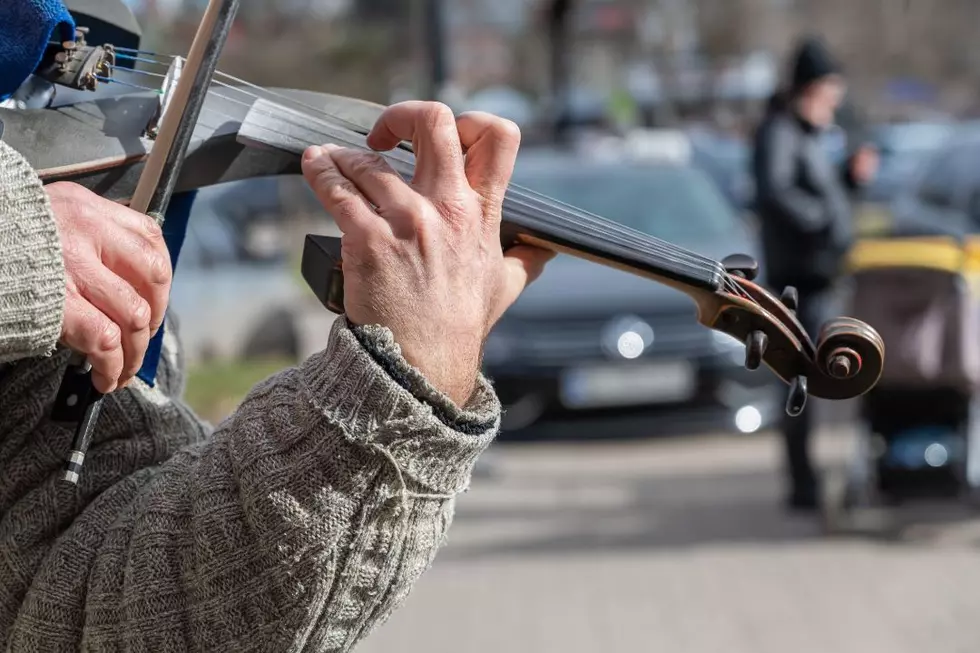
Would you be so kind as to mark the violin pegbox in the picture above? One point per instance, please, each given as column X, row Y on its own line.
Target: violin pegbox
column 845, row 362
column 741, row 265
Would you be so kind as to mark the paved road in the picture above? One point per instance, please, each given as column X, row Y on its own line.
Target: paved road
column 679, row 546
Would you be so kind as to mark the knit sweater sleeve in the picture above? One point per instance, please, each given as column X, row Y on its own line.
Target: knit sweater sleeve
column 300, row 524
column 32, row 277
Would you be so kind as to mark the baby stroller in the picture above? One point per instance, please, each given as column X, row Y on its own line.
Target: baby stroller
column 920, row 434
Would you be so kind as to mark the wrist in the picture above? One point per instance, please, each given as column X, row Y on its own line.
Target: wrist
column 380, row 343
column 454, row 375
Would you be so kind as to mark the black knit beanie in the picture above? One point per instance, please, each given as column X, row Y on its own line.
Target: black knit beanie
column 812, row 62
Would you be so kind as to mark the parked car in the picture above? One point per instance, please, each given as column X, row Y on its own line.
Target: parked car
column 944, row 196
column 903, row 148
column 727, row 160
column 587, row 341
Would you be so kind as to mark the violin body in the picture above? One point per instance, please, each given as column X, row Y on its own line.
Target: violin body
column 103, row 143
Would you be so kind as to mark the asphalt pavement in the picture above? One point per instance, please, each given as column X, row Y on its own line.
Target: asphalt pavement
column 680, row 545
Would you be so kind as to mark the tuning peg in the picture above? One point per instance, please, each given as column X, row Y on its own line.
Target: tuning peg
column 741, row 265
column 755, row 349
column 790, row 298
column 796, row 400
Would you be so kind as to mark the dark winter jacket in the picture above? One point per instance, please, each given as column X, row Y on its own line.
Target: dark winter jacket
column 802, row 202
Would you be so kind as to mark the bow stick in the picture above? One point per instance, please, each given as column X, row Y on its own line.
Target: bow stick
column 78, row 401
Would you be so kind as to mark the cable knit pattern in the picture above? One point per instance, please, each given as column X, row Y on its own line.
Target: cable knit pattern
column 298, row 524
column 32, row 277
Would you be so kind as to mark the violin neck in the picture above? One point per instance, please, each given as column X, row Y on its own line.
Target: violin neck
column 545, row 223
column 528, row 217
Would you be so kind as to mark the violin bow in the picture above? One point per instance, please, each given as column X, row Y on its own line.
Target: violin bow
column 78, row 401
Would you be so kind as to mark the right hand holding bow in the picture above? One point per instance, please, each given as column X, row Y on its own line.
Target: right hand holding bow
column 117, row 274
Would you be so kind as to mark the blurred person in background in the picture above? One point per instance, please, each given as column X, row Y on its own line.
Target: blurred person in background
column 805, row 216
column 304, row 519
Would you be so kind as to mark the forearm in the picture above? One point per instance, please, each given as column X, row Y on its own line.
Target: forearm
column 309, row 514
column 32, row 278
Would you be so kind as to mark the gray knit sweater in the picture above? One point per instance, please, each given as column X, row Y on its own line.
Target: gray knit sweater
column 298, row 524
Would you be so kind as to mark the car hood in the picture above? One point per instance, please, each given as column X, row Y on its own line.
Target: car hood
column 574, row 287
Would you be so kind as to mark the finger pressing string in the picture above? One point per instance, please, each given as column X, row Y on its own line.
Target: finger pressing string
column 338, row 194
column 431, row 128
column 491, row 145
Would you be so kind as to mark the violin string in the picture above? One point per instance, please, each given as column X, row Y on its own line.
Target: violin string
column 112, row 80
column 602, row 227
column 564, row 220
column 703, row 263
column 517, row 190
column 591, row 220
column 561, row 221
column 709, row 264
column 135, row 71
column 403, row 164
column 402, row 160
column 405, row 167
column 130, row 57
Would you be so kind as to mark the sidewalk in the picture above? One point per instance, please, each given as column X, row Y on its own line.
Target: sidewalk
column 677, row 546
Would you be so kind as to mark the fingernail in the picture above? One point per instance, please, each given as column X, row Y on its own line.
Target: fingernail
column 314, row 152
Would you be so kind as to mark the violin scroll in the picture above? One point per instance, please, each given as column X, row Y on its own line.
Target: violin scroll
column 850, row 351
column 844, row 362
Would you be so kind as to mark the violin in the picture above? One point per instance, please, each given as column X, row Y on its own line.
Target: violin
column 242, row 131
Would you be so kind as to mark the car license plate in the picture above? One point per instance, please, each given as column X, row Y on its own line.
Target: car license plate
column 630, row 384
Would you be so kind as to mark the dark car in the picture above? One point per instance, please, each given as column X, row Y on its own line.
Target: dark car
column 903, row 148
column 726, row 160
column 588, row 341
column 944, row 196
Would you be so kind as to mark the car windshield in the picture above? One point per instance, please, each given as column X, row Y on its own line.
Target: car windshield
column 673, row 203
